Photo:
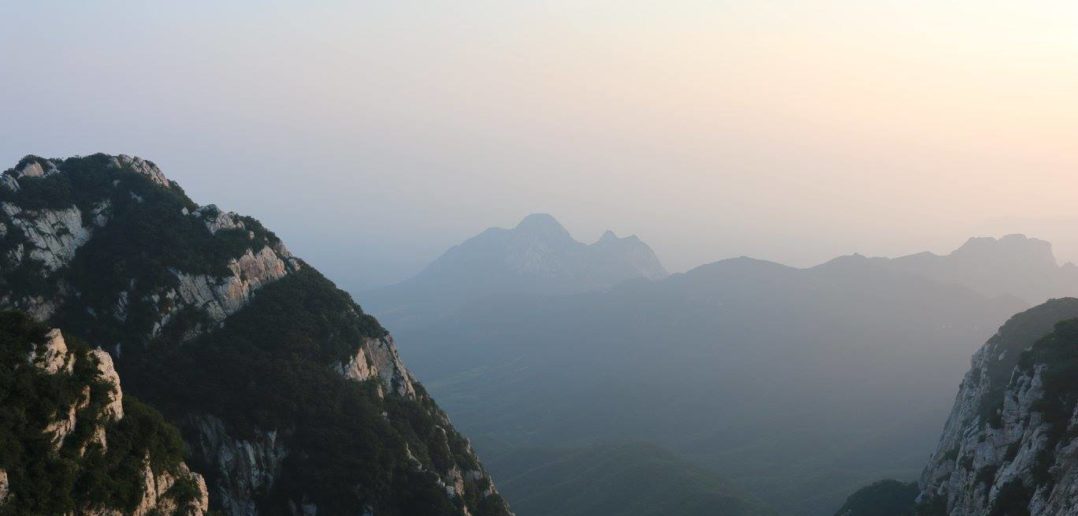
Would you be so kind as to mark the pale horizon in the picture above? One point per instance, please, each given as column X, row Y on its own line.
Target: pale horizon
column 374, row 137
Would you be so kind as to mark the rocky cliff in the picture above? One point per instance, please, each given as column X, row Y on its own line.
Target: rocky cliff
column 1009, row 444
column 71, row 441
column 290, row 398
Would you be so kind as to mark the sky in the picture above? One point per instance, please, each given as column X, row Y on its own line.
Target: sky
column 371, row 136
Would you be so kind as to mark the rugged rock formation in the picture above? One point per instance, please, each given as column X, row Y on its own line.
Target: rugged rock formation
column 75, row 400
column 244, row 467
column 378, row 358
column 1009, row 445
column 288, row 394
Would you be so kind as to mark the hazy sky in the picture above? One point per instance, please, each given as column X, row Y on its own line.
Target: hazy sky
column 373, row 135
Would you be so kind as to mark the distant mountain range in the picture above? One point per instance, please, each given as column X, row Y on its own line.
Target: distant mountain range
column 796, row 384
column 1013, row 265
column 538, row 256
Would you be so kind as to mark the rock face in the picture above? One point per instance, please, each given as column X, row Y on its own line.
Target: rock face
column 378, row 358
column 289, row 396
column 1009, row 444
column 245, row 467
column 87, row 411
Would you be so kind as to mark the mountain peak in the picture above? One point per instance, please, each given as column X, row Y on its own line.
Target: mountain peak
column 539, row 220
column 542, row 225
column 1014, row 247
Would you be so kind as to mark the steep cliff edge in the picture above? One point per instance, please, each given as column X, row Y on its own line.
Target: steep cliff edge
column 73, row 443
column 290, row 398
column 1009, row 445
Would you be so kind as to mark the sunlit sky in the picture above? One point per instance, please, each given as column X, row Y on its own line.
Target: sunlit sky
column 373, row 135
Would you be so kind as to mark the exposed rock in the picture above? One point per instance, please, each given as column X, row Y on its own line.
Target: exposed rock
column 379, row 357
column 221, row 297
column 9, row 182
column 143, row 167
column 245, row 467
column 52, row 355
column 101, row 213
column 34, row 168
column 158, row 302
column 1001, row 450
column 82, row 422
column 114, row 407
column 53, row 235
column 156, row 498
column 216, row 220
column 62, row 426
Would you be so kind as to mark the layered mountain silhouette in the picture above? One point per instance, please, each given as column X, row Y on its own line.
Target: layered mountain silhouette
column 630, row 479
column 1013, row 265
column 797, row 384
column 538, row 256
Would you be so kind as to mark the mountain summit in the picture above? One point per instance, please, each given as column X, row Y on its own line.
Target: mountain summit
column 290, row 399
column 1013, row 265
column 537, row 256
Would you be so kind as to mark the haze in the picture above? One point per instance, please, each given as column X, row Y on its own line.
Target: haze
column 374, row 135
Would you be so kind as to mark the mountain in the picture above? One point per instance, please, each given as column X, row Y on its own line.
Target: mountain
column 1009, row 444
column 883, row 498
column 798, row 385
column 622, row 479
column 290, row 399
column 538, row 256
column 1013, row 265
column 73, row 443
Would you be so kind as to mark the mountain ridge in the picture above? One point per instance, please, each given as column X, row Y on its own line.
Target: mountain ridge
column 537, row 256
column 290, row 397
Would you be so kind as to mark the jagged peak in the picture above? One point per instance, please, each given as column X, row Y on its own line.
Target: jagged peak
column 36, row 166
column 610, row 238
column 141, row 166
column 1009, row 246
column 33, row 166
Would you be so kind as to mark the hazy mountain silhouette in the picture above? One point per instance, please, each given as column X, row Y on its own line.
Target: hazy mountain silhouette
column 538, row 256
column 623, row 479
column 1012, row 265
column 797, row 384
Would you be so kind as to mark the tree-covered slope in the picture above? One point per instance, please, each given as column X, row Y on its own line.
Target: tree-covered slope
column 622, row 479
column 72, row 442
column 290, row 398
column 883, row 498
